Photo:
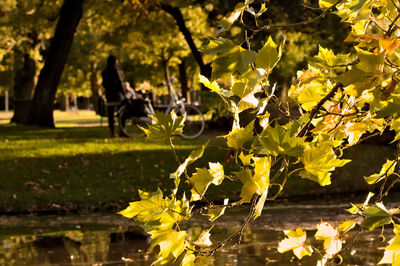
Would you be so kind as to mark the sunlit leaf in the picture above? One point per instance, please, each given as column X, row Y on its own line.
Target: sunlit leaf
column 164, row 126
column 171, row 242
column 217, row 171
column 214, row 87
column 277, row 140
column 246, row 159
column 249, row 186
column 345, row 226
column 239, row 136
column 236, row 60
column 358, row 208
column 200, row 181
column 318, row 161
column 260, row 204
column 227, row 21
column 330, row 236
column 268, row 56
column 392, row 251
column 193, row 156
column 295, row 241
column 152, row 209
column 258, row 183
column 386, row 170
column 215, row 213
column 326, row 3
column 204, row 239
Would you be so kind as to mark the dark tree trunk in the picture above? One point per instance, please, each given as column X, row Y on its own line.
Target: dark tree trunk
column 23, row 90
column 43, row 100
column 205, row 69
column 94, row 87
column 184, row 82
column 167, row 75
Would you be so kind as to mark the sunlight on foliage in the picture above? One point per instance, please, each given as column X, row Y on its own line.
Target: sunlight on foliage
column 338, row 101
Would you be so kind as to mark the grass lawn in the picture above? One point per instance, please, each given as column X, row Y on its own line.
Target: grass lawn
column 77, row 166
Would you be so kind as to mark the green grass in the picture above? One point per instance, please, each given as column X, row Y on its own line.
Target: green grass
column 76, row 166
column 81, row 167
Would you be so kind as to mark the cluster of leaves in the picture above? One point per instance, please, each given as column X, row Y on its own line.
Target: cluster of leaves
column 342, row 98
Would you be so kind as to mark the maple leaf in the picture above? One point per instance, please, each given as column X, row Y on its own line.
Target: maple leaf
column 295, row 241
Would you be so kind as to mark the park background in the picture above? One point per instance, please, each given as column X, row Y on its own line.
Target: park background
column 64, row 163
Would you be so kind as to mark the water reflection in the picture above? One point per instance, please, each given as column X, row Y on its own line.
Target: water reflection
column 113, row 240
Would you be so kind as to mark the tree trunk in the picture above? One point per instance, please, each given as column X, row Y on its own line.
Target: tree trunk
column 167, row 76
column 24, row 83
column 94, row 87
column 205, row 69
column 184, row 82
column 6, row 101
column 43, row 100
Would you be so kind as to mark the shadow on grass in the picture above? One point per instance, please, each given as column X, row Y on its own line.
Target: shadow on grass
column 93, row 180
column 11, row 131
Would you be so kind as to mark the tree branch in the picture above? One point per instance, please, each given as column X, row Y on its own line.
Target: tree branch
column 314, row 112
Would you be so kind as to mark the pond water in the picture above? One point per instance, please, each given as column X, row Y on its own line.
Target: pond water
column 110, row 239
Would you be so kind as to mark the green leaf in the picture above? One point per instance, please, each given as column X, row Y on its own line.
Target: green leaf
column 164, row 126
column 395, row 126
column 326, row 58
column 203, row 178
column 358, row 208
column 215, row 213
column 214, row 87
column 386, row 170
column 246, row 86
column 200, row 181
column 258, row 183
column 239, row 136
column 318, row 161
column 376, row 216
column 249, row 186
column 295, row 241
column 236, row 60
column 227, row 21
column 370, row 62
column 277, row 140
column 366, row 73
column 268, row 56
column 152, row 208
column 392, row 108
column 310, row 94
column 193, row 156
column 219, row 46
column 171, row 242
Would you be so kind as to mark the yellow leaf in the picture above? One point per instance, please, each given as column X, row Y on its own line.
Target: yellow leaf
column 330, row 236
column 295, row 241
column 204, row 239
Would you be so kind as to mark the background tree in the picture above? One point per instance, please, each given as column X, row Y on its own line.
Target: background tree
column 56, row 56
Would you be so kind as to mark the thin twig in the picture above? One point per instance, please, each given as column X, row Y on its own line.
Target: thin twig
column 313, row 113
column 302, row 23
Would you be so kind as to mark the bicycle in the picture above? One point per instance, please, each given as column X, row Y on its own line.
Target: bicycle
column 133, row 112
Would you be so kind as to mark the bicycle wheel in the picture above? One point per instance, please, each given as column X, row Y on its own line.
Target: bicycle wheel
column 128, row 124
column 194, row 123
